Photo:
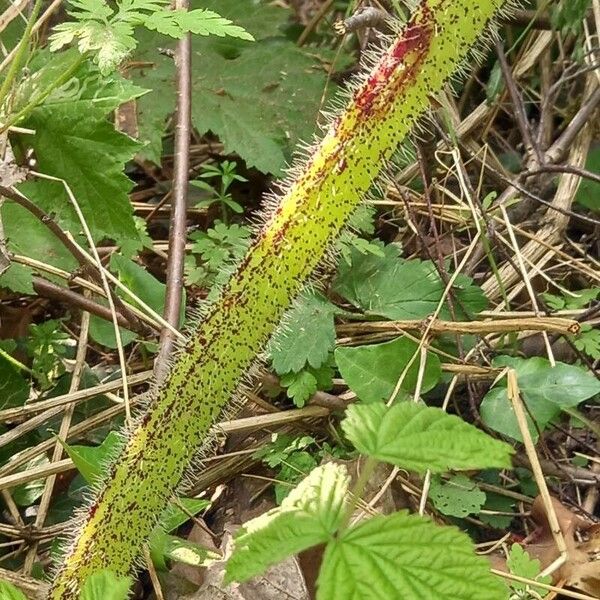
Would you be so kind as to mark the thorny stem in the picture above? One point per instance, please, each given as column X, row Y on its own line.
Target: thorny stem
column 223, row 348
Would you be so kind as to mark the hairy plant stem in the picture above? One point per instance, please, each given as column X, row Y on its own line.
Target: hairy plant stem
column 39, row 98
column 209, row 368
column 15, row 65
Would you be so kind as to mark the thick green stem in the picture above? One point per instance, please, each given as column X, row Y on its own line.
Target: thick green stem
column 317, row 205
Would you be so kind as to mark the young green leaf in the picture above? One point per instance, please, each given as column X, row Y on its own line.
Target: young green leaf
column 105, row 585
column 405, row 556
column 302, row 385
column 372, row 372
column 520, row 563
column 588, row 341
column 109, row 32
column 309, row 516
column 14, row 389
column 9, row 592
column 307, row 335
column 420, row 438
column 163, row 546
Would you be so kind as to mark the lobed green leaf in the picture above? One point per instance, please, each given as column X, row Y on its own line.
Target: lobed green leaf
column 420, row 438
column 405, row 556
column 308, row 516
column 373, row 371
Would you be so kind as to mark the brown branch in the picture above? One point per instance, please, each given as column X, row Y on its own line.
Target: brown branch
column 51, row 224
column 517, row 102
column 554, row 324
column 584, row 173
column 133, row 321
column 61, row 294
column 177, row 228
column 559, row 148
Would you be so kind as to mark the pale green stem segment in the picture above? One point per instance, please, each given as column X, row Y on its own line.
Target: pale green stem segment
column 207, row 372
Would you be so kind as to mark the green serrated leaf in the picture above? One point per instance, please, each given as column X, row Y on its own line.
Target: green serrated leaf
column 105, row 585
column 14, row 388
column 300, row 386
column 207, row 22
column 310, row 515
column 307, row 335
column 567, row 16
column 91, row 461
column 520, row 563
column 546, row 390
column 373, row 371
column 10, row 592
column 588, row 341
column 237, row 85
column 395, row 288
column 66, row 143
column 457, row 497
column 405, row 556
column 421, row 438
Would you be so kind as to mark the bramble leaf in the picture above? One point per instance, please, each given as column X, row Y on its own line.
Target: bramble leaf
column 308, row 516
column 546, row 390
column 9, row 592
column 105, row 585
column 395, row 288
column 405, row 556
column 307, row 335
column 419, row 438
column 237, row 86
column 457, row 497
column 66, row 143
column 373, row 371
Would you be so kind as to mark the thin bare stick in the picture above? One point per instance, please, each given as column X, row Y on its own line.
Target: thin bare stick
column 62, row 436
column 107, row 290
column 517, row 403
column 177, row 227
